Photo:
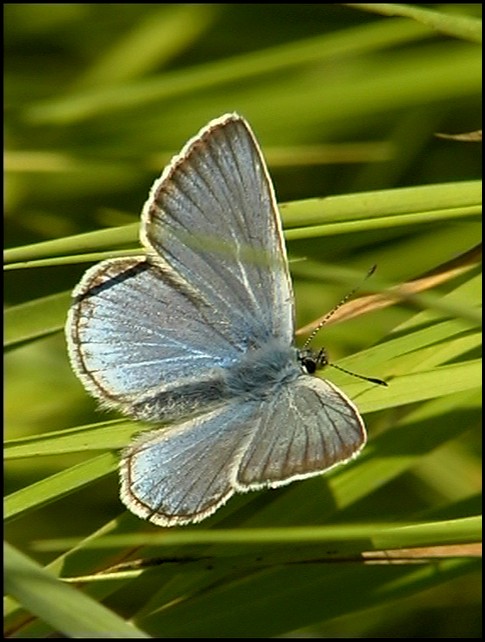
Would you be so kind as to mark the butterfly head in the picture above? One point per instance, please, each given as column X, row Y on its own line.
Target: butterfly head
column 311, row 361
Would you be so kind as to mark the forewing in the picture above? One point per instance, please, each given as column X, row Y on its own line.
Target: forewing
column 184, row 473
column 211, row 224
column 135, row 339
column 306, row 428
column 148, row 335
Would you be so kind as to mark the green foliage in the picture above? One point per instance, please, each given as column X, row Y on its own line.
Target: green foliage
column 346, row 104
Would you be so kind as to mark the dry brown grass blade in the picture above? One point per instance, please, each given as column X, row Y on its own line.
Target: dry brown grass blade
column 422, row 553
column 369, row 303
column 468, row 137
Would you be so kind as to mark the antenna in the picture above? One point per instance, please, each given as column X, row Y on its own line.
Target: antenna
column 330, row 314
column 312, row 361
column 379, row 382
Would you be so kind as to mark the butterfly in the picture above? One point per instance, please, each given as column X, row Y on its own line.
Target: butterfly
column 198, row 332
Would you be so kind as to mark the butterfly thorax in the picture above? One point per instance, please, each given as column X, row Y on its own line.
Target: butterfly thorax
column 263, row 369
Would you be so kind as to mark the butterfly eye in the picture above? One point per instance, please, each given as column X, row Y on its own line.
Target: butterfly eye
column 309, row 364
column 307, row 361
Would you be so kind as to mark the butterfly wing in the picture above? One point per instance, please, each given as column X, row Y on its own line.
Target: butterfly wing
column 211, row 222
column 147, row 335
column 305, row 429
column 143, row 346
column 183, row 474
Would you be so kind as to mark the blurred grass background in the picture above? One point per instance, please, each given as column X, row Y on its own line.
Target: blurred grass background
column 343, row 102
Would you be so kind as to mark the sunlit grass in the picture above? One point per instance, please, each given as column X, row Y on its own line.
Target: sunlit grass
column 97, row 98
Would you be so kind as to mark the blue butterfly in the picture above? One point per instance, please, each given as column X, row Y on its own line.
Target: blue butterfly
column 199, row 332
